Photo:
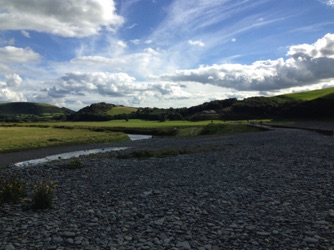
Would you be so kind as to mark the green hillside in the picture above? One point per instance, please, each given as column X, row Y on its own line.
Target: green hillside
column 29, row 111
column 119, row 110
column 327, row 93
column 30, row 108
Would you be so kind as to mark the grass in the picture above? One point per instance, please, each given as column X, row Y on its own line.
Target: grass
column 327, row 93
column 22, row 138
column 121, row 110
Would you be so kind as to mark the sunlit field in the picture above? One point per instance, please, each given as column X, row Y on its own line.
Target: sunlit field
column 22, row 138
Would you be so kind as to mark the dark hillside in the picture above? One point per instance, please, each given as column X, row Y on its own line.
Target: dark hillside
column 30, row 108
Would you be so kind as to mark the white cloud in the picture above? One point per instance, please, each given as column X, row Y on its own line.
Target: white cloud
column 112, row 85
column 7, row 95
column 122, row 44
column 13, row 80
column 139, row 64
column 9, row 89
column 10, row 54
column 25, row 33
column 12, row 58
column 328, row 2
column 307, row 64
column 71, row 18
column 196, row 43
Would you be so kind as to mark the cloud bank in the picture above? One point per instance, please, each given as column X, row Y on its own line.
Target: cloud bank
column 113, row 85
column 306, row 64
column 70, row 18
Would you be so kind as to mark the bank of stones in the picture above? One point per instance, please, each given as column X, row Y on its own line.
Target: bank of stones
column 266, row 190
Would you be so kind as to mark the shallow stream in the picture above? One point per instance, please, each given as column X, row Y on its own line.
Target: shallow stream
column 69, row 155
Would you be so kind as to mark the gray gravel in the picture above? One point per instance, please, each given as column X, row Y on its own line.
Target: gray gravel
column 266, row 190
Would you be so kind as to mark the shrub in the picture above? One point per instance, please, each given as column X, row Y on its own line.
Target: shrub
column 12, row 189
column 75, row 164
column 43, row 195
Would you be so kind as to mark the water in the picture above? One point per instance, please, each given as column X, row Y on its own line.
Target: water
column 66, row 156
column 134, row 137
column 74, row 154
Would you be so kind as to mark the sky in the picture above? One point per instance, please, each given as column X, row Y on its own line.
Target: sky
column 162, row 53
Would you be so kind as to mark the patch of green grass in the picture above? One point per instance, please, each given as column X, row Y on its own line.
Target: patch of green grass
column 121, row 110
column 22, row 138
column 75, row 163
column 165, row 152
column 218, row 129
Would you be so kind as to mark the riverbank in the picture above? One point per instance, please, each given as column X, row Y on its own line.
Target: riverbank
column 264, row 190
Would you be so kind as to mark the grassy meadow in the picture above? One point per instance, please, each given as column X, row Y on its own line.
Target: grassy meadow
column 22, row 136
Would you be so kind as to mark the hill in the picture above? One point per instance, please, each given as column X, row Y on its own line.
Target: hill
column 315, row 104
column 327, row 93
column 29, row 111
column 102, row 112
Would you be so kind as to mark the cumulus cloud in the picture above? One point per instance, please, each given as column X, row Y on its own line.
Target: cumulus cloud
column 10, row 54
column 306, row 64
column 71, row 18
column 113, row 85
column 9, row 89
column 13, row 80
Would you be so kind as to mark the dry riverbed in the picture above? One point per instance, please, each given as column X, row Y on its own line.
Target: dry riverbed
column 264, row 190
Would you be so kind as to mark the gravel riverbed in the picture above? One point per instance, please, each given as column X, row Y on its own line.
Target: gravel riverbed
column 265, row 190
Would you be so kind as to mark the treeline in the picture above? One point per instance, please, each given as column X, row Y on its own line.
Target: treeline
column 279, row 107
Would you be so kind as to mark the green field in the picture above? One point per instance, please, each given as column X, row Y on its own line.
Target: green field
column 23, row 138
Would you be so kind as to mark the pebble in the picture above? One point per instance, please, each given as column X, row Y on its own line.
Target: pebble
column 268, row 190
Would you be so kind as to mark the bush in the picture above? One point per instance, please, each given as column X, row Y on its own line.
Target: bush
column 75, row 164
column 11, row 189
column 43, row 195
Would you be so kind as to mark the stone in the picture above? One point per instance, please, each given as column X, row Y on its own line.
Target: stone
column 9, row 246
column 310, row 240
column 68, row 234
column 183, row 244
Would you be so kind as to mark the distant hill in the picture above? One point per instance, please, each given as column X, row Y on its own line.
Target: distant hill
column 315, row 104
column 102, row 112
column 24, row 111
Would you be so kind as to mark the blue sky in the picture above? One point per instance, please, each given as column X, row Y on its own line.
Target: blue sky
column 162, row 53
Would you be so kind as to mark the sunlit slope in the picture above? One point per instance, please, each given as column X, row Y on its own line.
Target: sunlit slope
column 327, row 93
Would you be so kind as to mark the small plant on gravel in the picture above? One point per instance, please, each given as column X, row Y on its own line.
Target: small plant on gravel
column 12, row 189
column 43, row 195
column 75, row 164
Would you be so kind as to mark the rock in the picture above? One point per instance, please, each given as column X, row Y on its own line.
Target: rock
column 183, row 245
column 263, row 233
column 68, row 234
column 310, row 240
column 159, row 222
column 9, row 246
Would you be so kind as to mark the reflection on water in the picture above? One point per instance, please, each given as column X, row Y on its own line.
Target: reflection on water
column 134, row 137
column 78, row 153
column 66, row 156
